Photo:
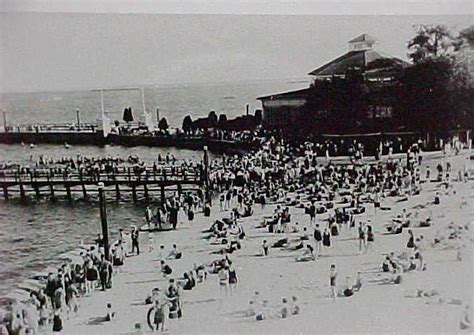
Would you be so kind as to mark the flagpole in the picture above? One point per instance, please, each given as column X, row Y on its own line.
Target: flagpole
column 143, row 100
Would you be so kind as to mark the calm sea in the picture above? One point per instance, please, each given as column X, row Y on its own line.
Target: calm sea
column 32, row 236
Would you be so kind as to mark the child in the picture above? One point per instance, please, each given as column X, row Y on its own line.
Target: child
column 265, row 248
column 151, row 242
column 110, row 314
column 284, row 309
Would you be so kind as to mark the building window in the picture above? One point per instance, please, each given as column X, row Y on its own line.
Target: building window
column 380, row 112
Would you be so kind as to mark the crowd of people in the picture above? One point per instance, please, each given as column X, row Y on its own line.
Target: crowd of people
column 291, row 179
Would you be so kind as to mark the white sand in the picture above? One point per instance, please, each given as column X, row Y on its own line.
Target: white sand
column 375, row 309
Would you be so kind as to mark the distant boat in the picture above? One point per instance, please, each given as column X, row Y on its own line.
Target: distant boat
column 229, row 97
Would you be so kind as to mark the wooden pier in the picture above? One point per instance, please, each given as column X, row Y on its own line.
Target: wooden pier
column 149, row 182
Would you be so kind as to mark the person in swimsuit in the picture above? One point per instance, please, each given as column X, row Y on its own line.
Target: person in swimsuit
column 326, row 238
column 294, row 307
column 362, row 236
column 466, row 323
column 265, row 248
column 349, row 289
column 284, row 312
column 411, row 239
column 332, row 281
column 233, row 279
column 223, row 278
column 318, row 237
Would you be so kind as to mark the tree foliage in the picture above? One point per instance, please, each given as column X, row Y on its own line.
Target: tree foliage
column 163, row 124
column 222, row 120
column 187, row 124
column 436, row 92
column 433, row 41
column 212, row 119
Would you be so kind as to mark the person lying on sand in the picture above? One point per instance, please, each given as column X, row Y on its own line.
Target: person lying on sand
column 466, row 323
column 308, row 254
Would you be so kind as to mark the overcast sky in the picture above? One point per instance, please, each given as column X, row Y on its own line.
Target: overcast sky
column 68, row 51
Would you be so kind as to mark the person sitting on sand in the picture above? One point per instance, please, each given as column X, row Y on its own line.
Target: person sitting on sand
column 358, row 283
column 175, row 253
column 294, row 306
column 262, row 312
column 165, row 269
column 223, row 278
column 386, row 265
column 398, row 275
column 308, row 254
column 250, row 311
column 348, row 289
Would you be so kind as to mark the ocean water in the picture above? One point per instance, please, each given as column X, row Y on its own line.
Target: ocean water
column 32, row 236
column 173, row 102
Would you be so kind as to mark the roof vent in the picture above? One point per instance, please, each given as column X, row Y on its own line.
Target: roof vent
column 362, row 42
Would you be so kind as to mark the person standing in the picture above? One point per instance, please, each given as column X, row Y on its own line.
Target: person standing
column 318, row 237
column 233, row 280
column 332, row 281
column 135, row 244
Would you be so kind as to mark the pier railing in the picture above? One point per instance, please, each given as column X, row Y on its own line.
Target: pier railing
column 40, row 182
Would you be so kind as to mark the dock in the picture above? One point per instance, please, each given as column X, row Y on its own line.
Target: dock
column 137, row 135
column 146, row 185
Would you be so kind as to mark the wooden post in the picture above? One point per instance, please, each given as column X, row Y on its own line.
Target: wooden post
column 22, row 190
column 5, row 192
column 163, row 193
column 134, row 193
column 37, row 191
column 145, row 187
column 68, row 191
column 51, row 187
column 117, row 191
column 206, row 176
column 84, row 191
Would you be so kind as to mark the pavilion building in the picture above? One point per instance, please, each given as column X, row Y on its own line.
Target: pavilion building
column 378, row 71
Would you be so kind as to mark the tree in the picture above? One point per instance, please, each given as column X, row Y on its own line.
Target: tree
column 187, row 124
column 212, row 119
column 222, row 120
column 436, row 92
column 163, row 125
column 432, row 41
column 467, row 35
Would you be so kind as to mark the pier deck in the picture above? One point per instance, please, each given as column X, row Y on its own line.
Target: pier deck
column 47, row 182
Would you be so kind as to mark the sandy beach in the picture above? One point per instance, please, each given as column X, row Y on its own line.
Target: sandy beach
column 377, row 308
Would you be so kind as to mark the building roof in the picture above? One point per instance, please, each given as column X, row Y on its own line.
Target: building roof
column 362, row 38
column 355, row 59
column 291, row 94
